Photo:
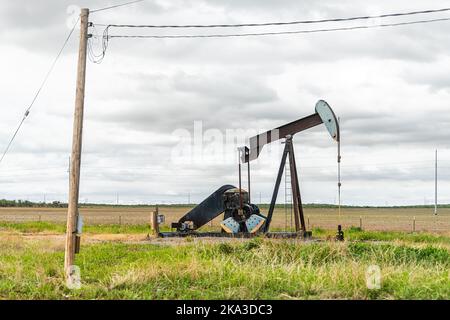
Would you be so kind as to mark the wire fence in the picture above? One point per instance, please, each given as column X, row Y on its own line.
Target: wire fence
column 413, row 220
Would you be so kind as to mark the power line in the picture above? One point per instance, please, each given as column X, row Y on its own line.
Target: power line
column 279, row 23
column 275, row 33
column 116, row 6
column 27, row 112
column 99, row 58
column 94, row 57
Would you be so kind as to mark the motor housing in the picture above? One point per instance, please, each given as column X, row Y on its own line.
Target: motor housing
column 240, row 215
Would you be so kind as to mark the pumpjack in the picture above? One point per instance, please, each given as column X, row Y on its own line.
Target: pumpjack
column 241, row 217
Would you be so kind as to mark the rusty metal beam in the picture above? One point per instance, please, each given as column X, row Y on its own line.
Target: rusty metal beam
column 277, row 187
column 298, row 207
column 259, row 141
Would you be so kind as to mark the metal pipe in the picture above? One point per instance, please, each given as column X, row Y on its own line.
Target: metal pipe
column 435, row 183
column 298, row 207
column 240, row 180
column 339, row 173
column 248, row 177
column 277, row 187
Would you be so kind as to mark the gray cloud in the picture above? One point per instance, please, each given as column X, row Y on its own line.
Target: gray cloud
column 389, row 87
column 434, row 79
column 224, row 100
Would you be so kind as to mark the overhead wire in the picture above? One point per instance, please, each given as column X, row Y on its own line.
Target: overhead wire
column 116, row 6
column 94, row 57
column 106, row 36
column 273, row 33
column 97, row 58
column 27, row 111
column 281, row 23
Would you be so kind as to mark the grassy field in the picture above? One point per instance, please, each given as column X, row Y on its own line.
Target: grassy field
column 377, row 219
column 120, row 262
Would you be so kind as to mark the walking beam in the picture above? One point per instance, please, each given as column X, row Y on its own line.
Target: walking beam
column 324, row 114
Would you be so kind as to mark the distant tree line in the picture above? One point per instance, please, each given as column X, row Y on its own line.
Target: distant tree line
column 57, row 204
column 29, row 204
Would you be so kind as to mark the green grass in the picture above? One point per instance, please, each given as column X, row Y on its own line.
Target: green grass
column 59, row 228
column 353, row 233
column 413, row 266
column 33, row 227
column 50, row 227
column 255, row 269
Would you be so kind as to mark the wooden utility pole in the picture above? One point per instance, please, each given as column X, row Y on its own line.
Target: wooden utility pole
column 154, row 222
column 74, row 177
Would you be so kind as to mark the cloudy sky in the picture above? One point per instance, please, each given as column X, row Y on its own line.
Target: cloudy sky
column 389, row 86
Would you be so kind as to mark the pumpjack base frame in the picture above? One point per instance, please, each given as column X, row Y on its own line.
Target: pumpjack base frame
column 271, row 235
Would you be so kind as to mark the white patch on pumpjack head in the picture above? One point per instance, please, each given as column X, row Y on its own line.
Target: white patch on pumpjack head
column 254, row 223
column 230, row 225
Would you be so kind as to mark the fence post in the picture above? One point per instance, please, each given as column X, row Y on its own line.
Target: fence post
column 308, row 222
column 154, row 222
column 360, row 222
column 120, row 220
column 40, row 218
column 414, row 224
